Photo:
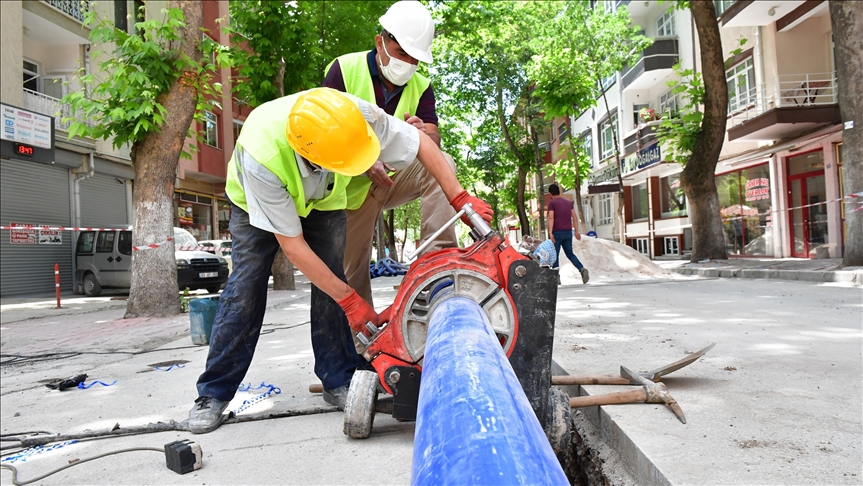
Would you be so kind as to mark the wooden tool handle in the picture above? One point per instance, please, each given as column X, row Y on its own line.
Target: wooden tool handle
column 589, row 380
column 316, row 388
column 631, row 396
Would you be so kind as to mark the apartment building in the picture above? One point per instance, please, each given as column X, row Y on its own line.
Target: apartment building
column 779, row 172
column 46, row 178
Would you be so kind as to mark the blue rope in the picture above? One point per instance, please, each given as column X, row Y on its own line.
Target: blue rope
column 271, row 389
column 23, row 455
column 84, row 387
column 175, row 365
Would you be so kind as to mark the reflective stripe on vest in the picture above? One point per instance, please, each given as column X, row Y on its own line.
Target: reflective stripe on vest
column 263, row 137
column 358, row 82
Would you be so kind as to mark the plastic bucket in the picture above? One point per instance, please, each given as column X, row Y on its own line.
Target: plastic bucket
column 202, row 313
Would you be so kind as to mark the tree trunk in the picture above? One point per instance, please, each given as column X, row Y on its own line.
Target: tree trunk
column 519, row 203
column 391, row 233
column 847, row 20
column 540, row 190
column 579, row 208
column 697, row 178
column 621, row 199
column 282, row 269
column 154, row 291
column 283, row 273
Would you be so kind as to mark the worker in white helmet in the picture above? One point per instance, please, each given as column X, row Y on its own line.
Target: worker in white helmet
column 387, row 77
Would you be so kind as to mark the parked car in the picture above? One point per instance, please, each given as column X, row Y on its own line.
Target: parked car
column 220, row 248
column 104, row 260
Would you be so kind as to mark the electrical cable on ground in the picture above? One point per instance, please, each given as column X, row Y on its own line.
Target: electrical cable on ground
column 82, row 461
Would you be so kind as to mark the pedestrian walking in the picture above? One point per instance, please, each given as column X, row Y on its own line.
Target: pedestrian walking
column 286, row 182
column 562, row 225
column 387, row 77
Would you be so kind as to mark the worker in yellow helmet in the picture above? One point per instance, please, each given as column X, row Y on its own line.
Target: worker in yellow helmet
column 286, row 182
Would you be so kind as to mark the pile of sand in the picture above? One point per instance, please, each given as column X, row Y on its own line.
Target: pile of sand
column 608, row 261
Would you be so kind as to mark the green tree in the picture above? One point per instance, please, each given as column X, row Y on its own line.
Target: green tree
column 696, row 137
column 576, row 51
column 481, row 55
column 149, row 89
column 407, row 219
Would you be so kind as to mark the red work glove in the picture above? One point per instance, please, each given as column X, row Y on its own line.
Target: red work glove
column 385, row 315
column 358, row 311
column 481, row 207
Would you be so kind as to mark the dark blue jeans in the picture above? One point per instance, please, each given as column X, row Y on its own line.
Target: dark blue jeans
column 564, row 239
column 242, row 304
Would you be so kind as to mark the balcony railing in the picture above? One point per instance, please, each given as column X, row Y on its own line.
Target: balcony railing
column 791, row 91
column 73, row 8
column 662, row 54
column 48, row 105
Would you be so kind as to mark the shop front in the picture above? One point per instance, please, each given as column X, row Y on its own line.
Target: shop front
column 746, row 211
column 194, row 213
column 807, row 200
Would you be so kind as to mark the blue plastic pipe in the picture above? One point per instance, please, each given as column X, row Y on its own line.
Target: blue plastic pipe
column 474, row 423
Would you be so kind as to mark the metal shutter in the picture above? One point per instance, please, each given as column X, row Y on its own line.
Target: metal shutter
column 38, row 194
column 103, row 201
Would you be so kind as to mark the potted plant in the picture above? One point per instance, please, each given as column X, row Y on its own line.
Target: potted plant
column 647, row 115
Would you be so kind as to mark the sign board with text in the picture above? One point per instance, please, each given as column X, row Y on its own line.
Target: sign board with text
column 604, row 180
column 642, row 159
column 26, row 135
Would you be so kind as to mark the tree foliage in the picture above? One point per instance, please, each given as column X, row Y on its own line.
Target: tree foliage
column 123, row 104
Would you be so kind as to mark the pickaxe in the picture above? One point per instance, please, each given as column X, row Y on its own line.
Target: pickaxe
column 650, row 393
column 654, row 375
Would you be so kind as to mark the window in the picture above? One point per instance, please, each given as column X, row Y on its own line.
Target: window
column 31, row 76
column 211, row 129
column 722, row 6
column 238, row 125
column 672, row 246
column 105, row 242
column 587, row 145
column 85, row 242
column 124, row 244
column 607, row 132
column 607, row 82
column 605, row 215
column 121, row 13
column 562, row 131
column 587, row 212
column 641, row 245
column 640, row 203
column 669, row 105
column 741, row 85
column 671, row 197
column 665, row 24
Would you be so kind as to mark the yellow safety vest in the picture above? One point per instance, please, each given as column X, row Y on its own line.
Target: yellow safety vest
column 358, row 82
column 264, row 138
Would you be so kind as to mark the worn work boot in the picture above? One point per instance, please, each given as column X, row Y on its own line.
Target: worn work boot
column 206, row 415
column 585, row 275
column 337, row 396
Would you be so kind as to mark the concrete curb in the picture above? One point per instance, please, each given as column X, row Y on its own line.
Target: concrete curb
column 840, row 276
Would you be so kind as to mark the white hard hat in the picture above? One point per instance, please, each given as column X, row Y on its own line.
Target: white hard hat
column 412, row 26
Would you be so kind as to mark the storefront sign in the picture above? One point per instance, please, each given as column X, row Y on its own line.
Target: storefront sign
column 22, row 234
column 604, row 180
column 642, row 159
column 757, row 189
column 26, row 134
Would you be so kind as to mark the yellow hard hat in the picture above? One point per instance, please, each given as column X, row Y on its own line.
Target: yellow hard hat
column 328, row 129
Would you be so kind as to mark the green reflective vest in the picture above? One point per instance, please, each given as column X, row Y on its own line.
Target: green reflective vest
column 264, row 138
column 358, row 82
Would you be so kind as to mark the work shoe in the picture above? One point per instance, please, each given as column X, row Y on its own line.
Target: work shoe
column 585, row 275
column 206, row 415
column 337, row 396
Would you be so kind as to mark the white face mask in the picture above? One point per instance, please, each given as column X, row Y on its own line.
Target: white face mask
column 397, row 71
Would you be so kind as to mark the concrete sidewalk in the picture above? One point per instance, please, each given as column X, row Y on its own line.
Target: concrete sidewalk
column 826, row 270
column 777, row 401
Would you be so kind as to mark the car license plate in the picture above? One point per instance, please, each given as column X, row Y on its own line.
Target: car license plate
column 208, row 274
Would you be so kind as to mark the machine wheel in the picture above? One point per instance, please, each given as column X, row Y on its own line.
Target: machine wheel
column 213, row 289
column 559, row 426
column 360, row 404
column 91, row 286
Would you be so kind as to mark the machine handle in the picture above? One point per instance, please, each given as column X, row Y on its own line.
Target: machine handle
column 437, row 233
column 479, row 224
